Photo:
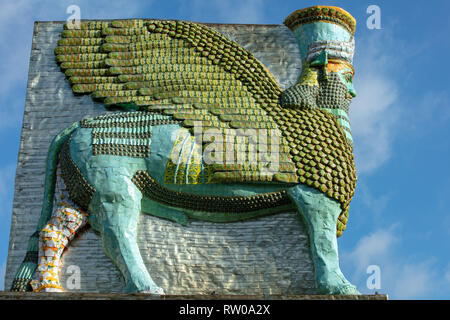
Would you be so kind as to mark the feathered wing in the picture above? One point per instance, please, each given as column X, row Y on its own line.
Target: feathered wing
column 198, row 76
column 182, row 69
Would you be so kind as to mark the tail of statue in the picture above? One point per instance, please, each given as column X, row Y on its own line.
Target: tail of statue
column 26, row 270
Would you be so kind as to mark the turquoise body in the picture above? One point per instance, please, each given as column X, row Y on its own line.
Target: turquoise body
column 117, row 203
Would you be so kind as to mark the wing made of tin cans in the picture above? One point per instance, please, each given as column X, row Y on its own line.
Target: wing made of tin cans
column 184, row 69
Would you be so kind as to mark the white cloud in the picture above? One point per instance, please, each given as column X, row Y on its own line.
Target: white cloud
column 401, row 278
column 375, row 109
column 414, row 280
column 371, row 249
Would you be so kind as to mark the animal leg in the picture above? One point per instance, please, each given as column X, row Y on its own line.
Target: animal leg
column 67, row 218
column 320, row 214
column 117, row 207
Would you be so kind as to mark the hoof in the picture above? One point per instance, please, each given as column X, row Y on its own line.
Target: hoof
column 45, row 287
column 347, row 289
column 336, row 283
column 51, row 290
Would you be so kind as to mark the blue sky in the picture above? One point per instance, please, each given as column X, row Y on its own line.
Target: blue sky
column 400, row 216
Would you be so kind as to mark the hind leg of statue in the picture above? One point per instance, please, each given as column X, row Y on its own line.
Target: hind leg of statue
column 320, row 214
column 67, row 218
column 115, row 209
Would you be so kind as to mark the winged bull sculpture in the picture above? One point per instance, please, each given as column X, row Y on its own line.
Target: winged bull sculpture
column 205, row 132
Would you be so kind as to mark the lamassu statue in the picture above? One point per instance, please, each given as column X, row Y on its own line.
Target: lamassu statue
column 206, row 133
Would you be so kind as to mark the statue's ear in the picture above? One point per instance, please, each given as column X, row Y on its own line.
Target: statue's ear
column 321, row 60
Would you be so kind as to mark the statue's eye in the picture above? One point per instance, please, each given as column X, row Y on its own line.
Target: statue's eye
column 348, row 77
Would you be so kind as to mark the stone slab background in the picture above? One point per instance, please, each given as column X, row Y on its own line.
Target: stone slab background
column 264, row 256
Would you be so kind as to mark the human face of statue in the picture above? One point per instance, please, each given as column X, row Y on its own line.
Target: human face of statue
column 345, row 72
